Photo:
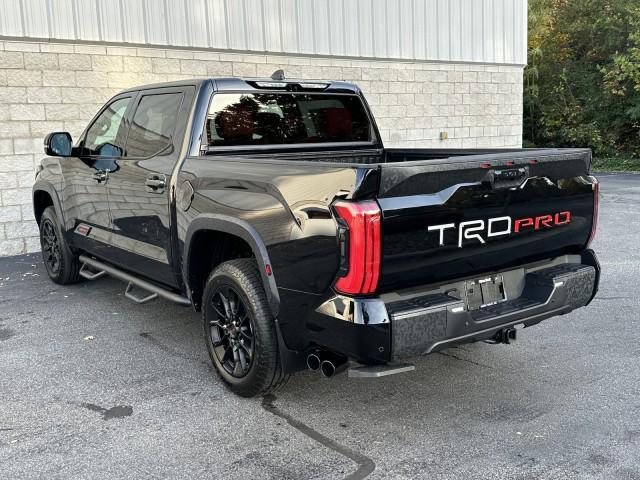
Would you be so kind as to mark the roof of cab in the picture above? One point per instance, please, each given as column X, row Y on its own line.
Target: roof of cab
column 248, row 84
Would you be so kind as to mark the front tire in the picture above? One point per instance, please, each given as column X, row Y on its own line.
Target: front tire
column 239, row 329
column 61, row 264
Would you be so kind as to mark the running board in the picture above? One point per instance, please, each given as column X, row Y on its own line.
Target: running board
column 377, row 371
column 101, row 269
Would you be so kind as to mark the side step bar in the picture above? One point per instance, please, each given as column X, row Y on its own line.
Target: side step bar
column 155, row 291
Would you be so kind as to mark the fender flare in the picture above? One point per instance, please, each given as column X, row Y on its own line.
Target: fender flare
column 42, row 186
column 238, row 228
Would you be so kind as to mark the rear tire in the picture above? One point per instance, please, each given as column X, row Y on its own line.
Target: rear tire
column 240, row 331
column 61, row 263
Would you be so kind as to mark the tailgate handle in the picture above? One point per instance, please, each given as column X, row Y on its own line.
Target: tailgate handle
column 508, row 178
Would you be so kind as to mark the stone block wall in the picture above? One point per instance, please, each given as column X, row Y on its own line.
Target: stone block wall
column 47, row 87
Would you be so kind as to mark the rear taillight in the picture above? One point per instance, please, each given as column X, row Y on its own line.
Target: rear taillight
column 360, row 245
column 596, row 202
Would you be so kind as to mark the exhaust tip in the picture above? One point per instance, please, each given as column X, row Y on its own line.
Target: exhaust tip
column 328, row 369
column 313, row 362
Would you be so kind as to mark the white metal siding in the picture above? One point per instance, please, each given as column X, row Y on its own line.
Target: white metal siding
column 487, row 31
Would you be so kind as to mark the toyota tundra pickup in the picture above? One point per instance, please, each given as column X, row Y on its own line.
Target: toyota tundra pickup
column 273, row 207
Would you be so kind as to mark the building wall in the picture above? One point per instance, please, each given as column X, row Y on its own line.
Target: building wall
column 47, row 86
column 485, row 31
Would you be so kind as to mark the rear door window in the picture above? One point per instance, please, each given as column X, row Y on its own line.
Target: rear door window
column 153, row 124
column 237, row 119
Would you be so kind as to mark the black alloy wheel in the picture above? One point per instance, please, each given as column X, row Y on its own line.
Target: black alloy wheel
column 240, row 329
column 232, row 331
column 50, row 247
column 61, row 263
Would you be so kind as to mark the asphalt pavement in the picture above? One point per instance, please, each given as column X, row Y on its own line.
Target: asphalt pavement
column 94, row 386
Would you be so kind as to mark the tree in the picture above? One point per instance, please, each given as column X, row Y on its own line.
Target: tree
column 582, row 84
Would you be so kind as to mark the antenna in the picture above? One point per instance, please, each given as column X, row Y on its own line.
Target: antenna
column 277, row 75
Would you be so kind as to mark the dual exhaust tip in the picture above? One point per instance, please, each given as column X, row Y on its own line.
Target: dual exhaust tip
column 327, row 363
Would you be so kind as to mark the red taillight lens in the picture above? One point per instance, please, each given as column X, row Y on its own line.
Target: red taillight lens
column 363, row 247
column 596, row 202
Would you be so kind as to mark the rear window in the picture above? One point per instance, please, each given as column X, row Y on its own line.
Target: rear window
column 286, row 118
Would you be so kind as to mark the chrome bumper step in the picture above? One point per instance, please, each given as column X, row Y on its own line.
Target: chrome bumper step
column 377, row 371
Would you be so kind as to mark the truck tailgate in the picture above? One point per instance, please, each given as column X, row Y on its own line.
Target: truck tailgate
column 466, row 216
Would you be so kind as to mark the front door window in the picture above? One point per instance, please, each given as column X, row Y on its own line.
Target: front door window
column 102, row 139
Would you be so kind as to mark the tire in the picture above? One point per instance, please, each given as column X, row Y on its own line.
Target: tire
column 245, row 353
column 61, row 264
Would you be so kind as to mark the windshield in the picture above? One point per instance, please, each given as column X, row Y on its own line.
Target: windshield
column 286, row 118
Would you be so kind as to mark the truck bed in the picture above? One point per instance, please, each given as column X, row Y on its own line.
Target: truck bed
column 421, row 189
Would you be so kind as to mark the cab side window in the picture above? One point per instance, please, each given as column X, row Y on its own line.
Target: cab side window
column 102, row 137
column 153, row 124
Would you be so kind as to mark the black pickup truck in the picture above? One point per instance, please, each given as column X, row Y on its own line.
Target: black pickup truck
column 273, row 207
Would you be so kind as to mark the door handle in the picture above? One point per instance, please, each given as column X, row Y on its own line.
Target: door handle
column 156, row 183
column 100, row 176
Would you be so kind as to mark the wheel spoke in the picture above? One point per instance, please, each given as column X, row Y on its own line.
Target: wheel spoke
column 243, row 332
column 218, row 311
column 227, row 354
column 247, row 350
column 236, row 362
column 227, row 307
column 50, row 235
column 233, row 304
column 243, row 359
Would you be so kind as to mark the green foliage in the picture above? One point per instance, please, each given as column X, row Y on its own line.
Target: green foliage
column 616, row 164
column 582, row 84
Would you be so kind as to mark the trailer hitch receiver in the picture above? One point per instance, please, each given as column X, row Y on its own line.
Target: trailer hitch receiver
column 506, row 335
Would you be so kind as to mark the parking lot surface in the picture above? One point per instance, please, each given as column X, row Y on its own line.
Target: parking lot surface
column 94, row 386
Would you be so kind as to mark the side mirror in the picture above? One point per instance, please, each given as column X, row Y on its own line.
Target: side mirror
column 58, row 144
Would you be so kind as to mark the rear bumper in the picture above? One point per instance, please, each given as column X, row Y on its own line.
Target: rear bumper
column 441, row 322
column 420, row 322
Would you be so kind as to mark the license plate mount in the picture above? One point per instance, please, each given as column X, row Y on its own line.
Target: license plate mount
column 484, row 292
